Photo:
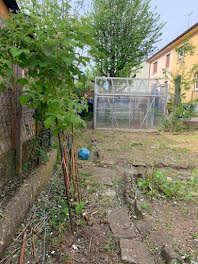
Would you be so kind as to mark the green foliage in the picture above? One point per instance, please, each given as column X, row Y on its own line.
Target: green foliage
column 79, row 207
column 159, row 186
column 126, row 31
column 182, row 81
column 187, row 48
column 58, row 210
column 82, row 87
column 107, row 247
column 179, row 114
column 145, row 206
column 46, row 41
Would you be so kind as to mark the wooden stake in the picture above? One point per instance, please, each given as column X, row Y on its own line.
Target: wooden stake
column 65, row 180
column 67, row 175
column 75, row 169
column 65, row 162
column 23, row 248
column 33, row 244
column 146, row 176
column 153, row 182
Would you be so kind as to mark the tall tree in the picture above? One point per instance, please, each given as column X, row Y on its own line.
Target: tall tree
column 126, row 31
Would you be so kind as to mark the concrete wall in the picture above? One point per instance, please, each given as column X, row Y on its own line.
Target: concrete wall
column 18, row 206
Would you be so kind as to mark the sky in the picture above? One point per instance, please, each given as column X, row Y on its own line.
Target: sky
column 175, row 14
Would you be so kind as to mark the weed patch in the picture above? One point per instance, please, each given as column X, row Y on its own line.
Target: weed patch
column 158, row 185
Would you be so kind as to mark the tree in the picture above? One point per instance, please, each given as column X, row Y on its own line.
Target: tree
column 126, row 31
column 46, row 42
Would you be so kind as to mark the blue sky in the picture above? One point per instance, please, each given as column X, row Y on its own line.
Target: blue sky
column 174, row 12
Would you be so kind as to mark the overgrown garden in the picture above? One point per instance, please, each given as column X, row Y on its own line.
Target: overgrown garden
column 55, row 48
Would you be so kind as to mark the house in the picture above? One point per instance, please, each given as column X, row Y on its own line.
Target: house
column 143, row 71
column 168, row 59
column 159, row 61
column 190, row 35
column 7, row 6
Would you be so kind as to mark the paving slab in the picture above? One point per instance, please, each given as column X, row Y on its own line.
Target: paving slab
column 135, row 252
column 120, row 223
column 160, row 238
column 144, row 227
column 105, row 175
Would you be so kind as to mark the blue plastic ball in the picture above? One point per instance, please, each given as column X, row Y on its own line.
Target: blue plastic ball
column 84, row 154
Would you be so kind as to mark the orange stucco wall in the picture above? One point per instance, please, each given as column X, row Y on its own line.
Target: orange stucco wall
column 189, row 62
column 4, row 12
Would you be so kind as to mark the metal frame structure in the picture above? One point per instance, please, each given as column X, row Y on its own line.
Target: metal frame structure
column 126, row 103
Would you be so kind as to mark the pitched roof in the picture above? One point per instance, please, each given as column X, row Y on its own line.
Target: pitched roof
column 12, row 5
column 169, row 44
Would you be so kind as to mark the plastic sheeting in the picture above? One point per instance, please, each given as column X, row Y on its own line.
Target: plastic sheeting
column 129, row 103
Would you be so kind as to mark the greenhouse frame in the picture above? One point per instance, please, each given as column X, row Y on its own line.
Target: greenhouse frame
column 128, row 103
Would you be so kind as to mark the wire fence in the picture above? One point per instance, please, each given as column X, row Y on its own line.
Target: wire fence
column 18, row 130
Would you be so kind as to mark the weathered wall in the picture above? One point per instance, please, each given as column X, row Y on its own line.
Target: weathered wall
column 17, row 127
column 7, row 166
column 7, row 154
column 19, row 205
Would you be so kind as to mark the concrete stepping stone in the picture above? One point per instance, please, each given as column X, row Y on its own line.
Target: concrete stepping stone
column 135, row 252
column 104, row 175
column 120, row 223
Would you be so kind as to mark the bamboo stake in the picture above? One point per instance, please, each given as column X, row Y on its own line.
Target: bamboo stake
column 23, row 248
column 66, row 166
column 65, row 180
column 153, row 182
column 70, row 163
column 146, row 176
column 33, row 243
column 65, row 155
column 73, row 165
column 76, row 167
column 69, row 188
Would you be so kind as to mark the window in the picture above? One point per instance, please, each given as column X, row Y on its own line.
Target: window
column 167, row 60
column 196, row 81
column 155, row 67
column 181, row 54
